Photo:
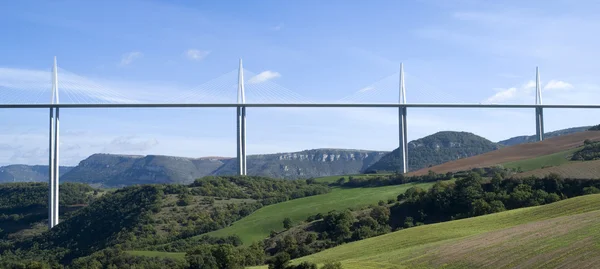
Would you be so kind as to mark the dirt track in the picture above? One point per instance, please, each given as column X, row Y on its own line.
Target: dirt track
column 513, row 153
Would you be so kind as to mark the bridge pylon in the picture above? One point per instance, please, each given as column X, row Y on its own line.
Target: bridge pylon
column 402, row 124
column 539, row 111
column 241, row 123
column 53, row 153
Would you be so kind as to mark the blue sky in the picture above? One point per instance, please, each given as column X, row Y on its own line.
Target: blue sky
column 466, row 51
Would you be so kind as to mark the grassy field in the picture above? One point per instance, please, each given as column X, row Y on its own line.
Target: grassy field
column 514, row 153
column 554, row 159
column 331, row 179
column 259, row 224
column 578, row 169
column 564, row 234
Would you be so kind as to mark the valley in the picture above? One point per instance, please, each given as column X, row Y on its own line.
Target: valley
column 484, row 205
column 114, row 171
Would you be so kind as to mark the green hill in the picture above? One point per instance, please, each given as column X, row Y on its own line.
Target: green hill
column 531, row 138
column 258, row 225
column 564, row 233
column 139, row 216
column 27, row 173
column 24, row 210
column 435, row 149
column 109, row 170
column 306, row 164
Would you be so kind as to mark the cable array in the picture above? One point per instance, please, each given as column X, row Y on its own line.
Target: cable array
column 259, row 88
column 387, row 90
column 269, row 92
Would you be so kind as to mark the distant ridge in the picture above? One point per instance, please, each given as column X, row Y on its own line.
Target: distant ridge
column 515, row 153
column 115, row 170
column 531, row 138
column 435, row 149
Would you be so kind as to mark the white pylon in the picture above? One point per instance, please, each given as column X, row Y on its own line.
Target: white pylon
column 402, row 86
column 539, row 111
column 538, row 87
column 402, row 125
column 54, row 158
column 241, row 123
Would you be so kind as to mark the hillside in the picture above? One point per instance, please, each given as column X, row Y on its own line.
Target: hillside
column 531, row 138
column 258, row 225
column 561, row 234
column 515, row 153
column 23, row 206
column 587, row 169
column 306, row 164
column 148, row 214
column 27, row 173
column 108, row 170
column 435, row 149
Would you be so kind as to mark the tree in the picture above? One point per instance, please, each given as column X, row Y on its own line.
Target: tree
column 497, row 206
column 381, row 214
column 591, row 190
column 480, row 207
column 496, row 181
column 184, row 199
column 287, row 223
column 280, row 261
column 201, row 257
column 226, row 256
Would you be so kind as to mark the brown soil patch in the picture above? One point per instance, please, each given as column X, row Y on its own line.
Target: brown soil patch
column 583, row 170
column 513, row 153
column 505, row 248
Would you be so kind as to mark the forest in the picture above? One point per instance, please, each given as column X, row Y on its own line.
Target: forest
column 173, row 218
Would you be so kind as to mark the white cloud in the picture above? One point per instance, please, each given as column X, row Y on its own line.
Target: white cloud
column 128, row 58
column 511, row 94
column 366, row 89
column 558, row 85
column 263, row 77
column 195, row 54
column 277, row 27
column 503, row 95
column 130, row 143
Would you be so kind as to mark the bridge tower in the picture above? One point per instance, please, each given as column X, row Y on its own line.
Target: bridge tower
column 539, row 112
column 402, row 132
column 53, row 153
column 241, row 123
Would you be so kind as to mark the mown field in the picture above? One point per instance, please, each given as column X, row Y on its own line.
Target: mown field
column 578, row 169
column 258, row 225
column 564, row 234
column 514, row 153
column 554, row 159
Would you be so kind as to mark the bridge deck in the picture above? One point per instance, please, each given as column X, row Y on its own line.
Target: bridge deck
column 332, row 105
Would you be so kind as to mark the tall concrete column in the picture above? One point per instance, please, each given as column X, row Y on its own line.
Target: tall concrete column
column 241, row 123
column 51, row 170
column 244, row 168
column 403, row 127
column 539, row 111
column 240, row 161
column 53, row 153
column 402, row 150
column 56, row 163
